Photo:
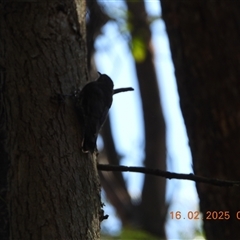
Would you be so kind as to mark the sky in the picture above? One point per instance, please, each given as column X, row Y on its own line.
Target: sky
column 114, row 58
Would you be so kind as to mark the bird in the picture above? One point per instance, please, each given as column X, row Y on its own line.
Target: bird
column 93, row 103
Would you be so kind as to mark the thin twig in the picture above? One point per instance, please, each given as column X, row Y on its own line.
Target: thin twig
column 169, row 175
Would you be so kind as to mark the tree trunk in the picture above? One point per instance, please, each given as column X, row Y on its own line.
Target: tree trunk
column 53, row 188
column 204, row 39
column 153, row 207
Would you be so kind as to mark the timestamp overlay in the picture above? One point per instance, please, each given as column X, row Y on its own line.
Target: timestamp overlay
column 209, row 215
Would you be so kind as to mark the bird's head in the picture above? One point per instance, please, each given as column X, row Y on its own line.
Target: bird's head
column 105, row 79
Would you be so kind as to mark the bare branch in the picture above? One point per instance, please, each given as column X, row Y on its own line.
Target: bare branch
column 169, row 175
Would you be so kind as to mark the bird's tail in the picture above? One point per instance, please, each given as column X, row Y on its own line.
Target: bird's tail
column 89, row 144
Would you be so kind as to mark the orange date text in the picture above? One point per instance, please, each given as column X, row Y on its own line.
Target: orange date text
column 209, row 215
column 195, row 215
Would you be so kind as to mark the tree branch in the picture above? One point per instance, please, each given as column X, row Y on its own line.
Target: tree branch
column 169, row 175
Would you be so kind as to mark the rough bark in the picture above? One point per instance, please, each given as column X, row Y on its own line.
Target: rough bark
column 4, row 228
column 204, row 40
column 53, row 189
